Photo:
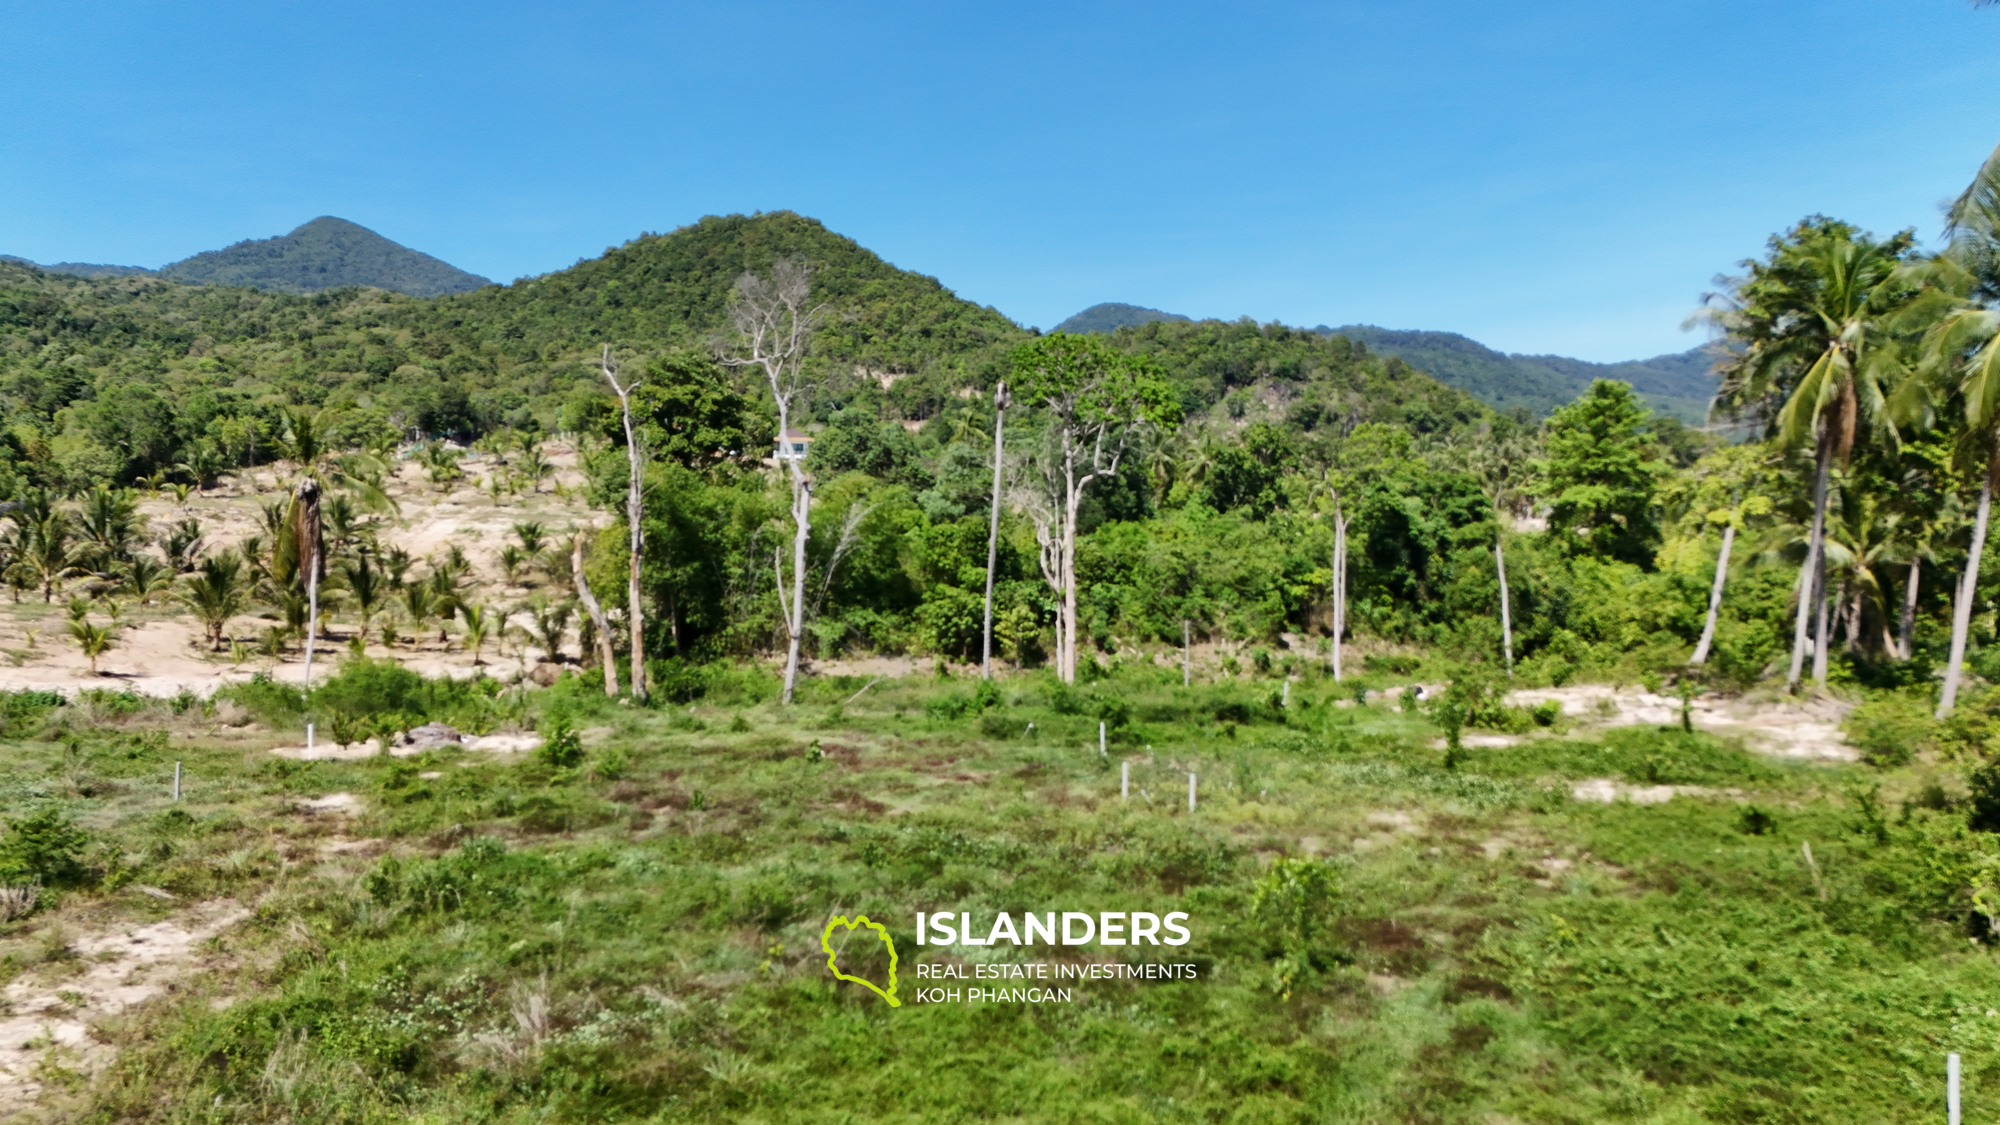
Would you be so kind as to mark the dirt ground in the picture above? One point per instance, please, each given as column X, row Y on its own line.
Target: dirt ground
column 50, row 1009
column 160, row 652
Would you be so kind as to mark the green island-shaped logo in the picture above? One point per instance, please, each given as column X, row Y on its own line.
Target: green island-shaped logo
column 826, row 943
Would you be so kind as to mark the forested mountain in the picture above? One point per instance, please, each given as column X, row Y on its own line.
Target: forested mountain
column 1111, row 316
column 327, row 253
column 119, row 377
column 1678, row 384
column 77, row 269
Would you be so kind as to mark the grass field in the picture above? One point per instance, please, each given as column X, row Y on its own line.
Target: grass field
column 632, row 932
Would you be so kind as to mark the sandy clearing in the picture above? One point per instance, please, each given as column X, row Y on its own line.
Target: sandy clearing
column 1791, row 729
column 52, row 1006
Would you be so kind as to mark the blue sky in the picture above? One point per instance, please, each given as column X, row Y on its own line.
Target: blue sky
column 1553, row 177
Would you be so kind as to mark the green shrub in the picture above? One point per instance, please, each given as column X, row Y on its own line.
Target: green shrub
column 561, row 746
column 1390, row 665
column 366, row 688
column 675, row 680
column 1547, row 712
column 948, row 707
column 45, row 846
column 1891, row 730
column 998, row 726
column 268, row 701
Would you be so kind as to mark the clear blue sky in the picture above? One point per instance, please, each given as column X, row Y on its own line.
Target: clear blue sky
column 1555, row 177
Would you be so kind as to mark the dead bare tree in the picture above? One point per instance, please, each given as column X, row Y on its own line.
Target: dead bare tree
column 774, row 322
column 993, row 535
column 634, row 511
column 596, row 612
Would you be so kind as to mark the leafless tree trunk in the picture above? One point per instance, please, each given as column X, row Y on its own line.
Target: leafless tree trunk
column 635, row 613
column 1715, row 597
column 1909, row 622
column 305, row 525
column 774, row 320
column 1506, row 611
column 596, row 612
column 1187, row 655
column 1968, row 586
column 1822, row 627
column 993, row 533
column 1340, row 521
column 1810, row 578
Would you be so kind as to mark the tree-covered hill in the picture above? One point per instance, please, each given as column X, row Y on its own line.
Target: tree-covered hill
column 673, row 289
column 120, row 377
column 1678, row 384
column 1111, row 316
column 77, row 269
column 327, row 253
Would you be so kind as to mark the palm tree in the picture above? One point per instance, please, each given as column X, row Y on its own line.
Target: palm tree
column 215, row 593
column 479, row 624
column 47, row 553
column 94, row 640
column 109, row 522
column 1964, row 348
column 551, row 621
column 418, row 605
column 317, row 470
column 1816, row 363
column 146, row 576
column 367, row 586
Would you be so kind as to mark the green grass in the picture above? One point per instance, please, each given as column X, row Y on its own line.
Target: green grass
column 636, row 938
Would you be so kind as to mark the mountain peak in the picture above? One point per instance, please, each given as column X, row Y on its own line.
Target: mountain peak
column 1111, row 316
column 327, row 253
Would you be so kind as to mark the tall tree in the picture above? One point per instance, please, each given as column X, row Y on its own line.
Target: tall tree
column 591, row 606
column 635, row 487
column 1598, row 478
column 1816, row 363
column 775, row 319
column 1964, row 348
column 993, row 531
column 1500, row 462
column 1096, row 396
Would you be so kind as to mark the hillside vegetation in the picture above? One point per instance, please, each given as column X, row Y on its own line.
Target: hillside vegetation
column 1678, row 385
column 1570, row 769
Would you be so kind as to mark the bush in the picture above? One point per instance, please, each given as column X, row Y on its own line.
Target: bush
column 45, row 846
column 1390, row 665
column 561, row 746
column 269, row 702
column 1892, row 730
column 948, row 707
column 675, row 680
column 364, row 688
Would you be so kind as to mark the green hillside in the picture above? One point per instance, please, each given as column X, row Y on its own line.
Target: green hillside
column 120, row 376
column 327, row 253
column 1677, row 384
column 1111, row 316
column 78, row 269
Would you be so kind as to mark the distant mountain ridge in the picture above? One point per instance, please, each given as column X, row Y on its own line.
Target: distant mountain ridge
column 1679, row 384
column 326, row 253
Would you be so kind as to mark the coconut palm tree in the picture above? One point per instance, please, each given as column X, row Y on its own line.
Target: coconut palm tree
column 1816, row 363
column 367, row 586
column 94, row 640
column 479, row 624
column 1963, row 351
column 146, row 576
column 215, row 593
column 48, row 554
